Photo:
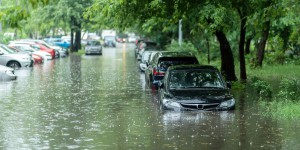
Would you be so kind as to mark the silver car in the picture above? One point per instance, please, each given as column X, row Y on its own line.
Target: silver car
column 14, row 60
column 146, row 58
column 7, row 74
column 93, row 47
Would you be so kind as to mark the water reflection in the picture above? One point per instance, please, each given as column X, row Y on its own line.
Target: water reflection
column 102, row 102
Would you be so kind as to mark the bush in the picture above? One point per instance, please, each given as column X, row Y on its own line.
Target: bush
column 262, row 88
column 289, row 90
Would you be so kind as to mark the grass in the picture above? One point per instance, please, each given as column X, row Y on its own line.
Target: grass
column 80, row 52
column 281, row 109
column 275, row 71
column 285, row 102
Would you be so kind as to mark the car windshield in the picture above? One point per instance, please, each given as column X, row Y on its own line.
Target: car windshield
column 201, row 78
column 7, row 50
column 25, row 48
column 93, row 43
column 109, row 38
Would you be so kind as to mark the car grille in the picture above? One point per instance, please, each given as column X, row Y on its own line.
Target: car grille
column 200, row 106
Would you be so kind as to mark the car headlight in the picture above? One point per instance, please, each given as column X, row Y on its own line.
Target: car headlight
column 227, row 104
column 169, row 104
column 9, row 72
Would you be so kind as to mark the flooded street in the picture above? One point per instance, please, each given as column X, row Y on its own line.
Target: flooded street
column 101, row 102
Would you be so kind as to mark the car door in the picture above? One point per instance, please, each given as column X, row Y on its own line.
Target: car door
column 3, row 59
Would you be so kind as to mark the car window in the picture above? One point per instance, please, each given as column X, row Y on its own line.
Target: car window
column 93, row 43
column 195, row 79
column 6, row 50
column 110, row 38
column 166, row 62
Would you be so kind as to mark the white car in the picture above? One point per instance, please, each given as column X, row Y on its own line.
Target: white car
column 7, row 74
column 146, row 58
column 27, row 48
column 13, row 59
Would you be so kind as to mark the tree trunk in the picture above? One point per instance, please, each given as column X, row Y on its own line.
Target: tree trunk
column 248, row 44
column 262, row 44
column 78, row 37
column 243, row 74
column 72, row 47
column 72, row 40
column 227, row 65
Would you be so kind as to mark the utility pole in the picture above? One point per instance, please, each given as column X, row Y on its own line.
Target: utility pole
column 180, row 32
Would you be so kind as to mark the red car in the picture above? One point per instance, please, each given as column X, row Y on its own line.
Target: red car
column 46, row 49
column 37, row 59
column 38, row 46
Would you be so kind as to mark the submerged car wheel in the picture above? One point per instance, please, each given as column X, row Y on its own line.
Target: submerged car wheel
column 14, row 65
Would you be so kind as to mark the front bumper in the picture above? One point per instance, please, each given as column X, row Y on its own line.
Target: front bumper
column 26, row 63
column 178, row 106
column 93, row 51
column 9, row 75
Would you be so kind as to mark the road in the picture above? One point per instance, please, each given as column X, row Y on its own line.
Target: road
column 101, row 102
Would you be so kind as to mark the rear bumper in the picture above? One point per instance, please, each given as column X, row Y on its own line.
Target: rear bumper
column 157, row 79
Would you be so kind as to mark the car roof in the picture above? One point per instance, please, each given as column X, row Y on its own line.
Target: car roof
column 174, row 54
column 193, row 67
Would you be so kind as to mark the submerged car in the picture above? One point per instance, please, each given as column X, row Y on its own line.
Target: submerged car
column 155, row 71
column 146, row 46
column 28, row 48
column 146, row 57
column 93, row 47
column 7, row 74
column 14, row 60
column 195, row 87
column 109, row 41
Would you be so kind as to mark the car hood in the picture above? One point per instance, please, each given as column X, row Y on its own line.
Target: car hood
column 200, row 96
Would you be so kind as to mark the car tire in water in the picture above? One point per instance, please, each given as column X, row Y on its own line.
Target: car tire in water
column 14, row 65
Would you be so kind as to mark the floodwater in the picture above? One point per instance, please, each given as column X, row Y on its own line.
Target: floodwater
column 101, row 102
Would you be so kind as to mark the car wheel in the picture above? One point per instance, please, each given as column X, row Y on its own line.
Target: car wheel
column 14, row 65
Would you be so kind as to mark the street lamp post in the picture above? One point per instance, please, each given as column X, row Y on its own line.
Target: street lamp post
column 180, row 32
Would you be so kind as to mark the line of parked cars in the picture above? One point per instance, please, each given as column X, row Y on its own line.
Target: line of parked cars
column 182, row 83
column 25, row 53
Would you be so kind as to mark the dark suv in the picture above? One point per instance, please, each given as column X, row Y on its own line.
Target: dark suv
column 162, row 60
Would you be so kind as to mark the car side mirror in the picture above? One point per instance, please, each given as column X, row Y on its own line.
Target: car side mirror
column 1, row 53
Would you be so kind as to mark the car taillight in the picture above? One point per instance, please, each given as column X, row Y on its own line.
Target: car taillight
column 157, row 73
